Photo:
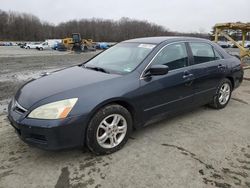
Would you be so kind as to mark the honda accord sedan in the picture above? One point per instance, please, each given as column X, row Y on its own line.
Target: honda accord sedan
column 98, row 103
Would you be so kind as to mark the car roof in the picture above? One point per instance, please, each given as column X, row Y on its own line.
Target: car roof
column 158, row 40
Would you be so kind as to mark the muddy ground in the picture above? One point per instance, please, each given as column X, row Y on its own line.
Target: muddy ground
column 202, row 148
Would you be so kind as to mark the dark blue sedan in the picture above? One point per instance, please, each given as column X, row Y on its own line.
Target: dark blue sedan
column 98, row 103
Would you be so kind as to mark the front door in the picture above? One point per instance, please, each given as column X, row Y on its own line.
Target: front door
column 170, row 92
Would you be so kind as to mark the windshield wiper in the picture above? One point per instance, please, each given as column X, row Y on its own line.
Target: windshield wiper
column 97, row 69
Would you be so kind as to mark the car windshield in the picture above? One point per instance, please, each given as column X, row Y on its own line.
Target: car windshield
column 121, row 58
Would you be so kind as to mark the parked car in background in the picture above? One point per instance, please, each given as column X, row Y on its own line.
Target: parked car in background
column 6, row 44
column 98, row 103
column 102, row 45
column 224, row 44
column 22, row 45
column 232, row 45
column 53, row 42
column 31, row 45
column 54, row 47
column 247, row 43
column 43, row 46
column 49, row 44
column 61, row 47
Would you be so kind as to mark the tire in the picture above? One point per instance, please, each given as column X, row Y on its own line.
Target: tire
column 28, row 47
column 101, row 125
column 226, row 86
column 41, row 49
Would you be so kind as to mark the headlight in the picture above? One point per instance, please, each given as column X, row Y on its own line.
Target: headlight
column 55, row 110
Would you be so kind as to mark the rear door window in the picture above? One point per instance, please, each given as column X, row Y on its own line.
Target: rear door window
column 202, row 52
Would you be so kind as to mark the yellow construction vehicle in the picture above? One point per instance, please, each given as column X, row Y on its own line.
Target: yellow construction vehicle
column 80, row 44
column 75, row 43
column 68, row 43
column 243, row 27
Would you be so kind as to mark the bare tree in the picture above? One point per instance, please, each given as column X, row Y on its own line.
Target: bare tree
column 22, row 26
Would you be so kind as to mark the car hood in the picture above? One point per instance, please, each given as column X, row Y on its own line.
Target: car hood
column 58, row 82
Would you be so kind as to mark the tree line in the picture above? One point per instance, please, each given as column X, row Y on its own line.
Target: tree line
column 27, row 27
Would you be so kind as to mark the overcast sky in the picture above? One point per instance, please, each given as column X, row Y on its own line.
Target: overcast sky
column 177, row 15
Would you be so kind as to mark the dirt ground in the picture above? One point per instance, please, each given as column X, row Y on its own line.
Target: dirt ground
column 201, row 148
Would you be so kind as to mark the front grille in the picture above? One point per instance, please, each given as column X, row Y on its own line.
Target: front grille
column 17, row 107
column 38, row 137
column 20, row 110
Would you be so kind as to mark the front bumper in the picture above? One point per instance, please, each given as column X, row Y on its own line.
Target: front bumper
column 49, row 134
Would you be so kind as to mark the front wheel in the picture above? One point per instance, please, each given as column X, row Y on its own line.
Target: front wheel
column 223, row 94
column 109, row 129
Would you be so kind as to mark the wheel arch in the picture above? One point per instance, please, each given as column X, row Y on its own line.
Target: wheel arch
column 231, row 80
column 120, row 101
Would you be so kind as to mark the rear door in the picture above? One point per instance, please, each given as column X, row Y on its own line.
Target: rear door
column 208, row 68
column 170, row 92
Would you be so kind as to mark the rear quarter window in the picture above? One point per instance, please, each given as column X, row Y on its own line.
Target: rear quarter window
column 217, row 54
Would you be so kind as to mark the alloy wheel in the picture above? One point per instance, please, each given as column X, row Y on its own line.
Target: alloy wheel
column 224, row 93
column 111, row 131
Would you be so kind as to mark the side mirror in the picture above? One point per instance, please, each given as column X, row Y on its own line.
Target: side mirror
column 156, row 70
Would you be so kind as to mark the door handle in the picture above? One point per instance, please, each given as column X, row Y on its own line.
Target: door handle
column 187, row 76
column 220, row 66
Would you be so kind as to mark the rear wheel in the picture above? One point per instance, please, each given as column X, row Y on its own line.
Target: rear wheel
column 109, row 129
column 223, row 94
column 41, row 49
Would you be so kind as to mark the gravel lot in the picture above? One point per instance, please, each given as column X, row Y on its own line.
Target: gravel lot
column 201, row 148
